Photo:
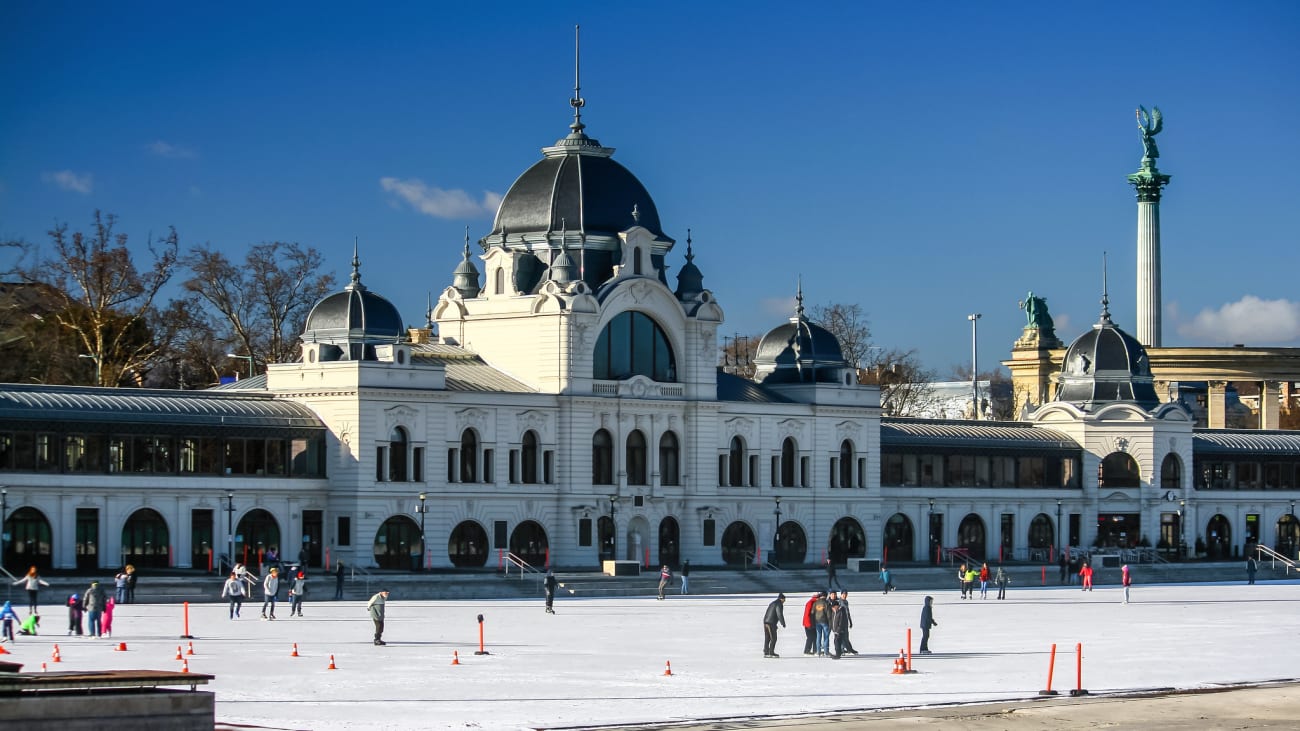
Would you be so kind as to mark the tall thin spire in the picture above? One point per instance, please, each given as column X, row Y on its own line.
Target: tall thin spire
column 428, row 312
column 356, row 264
column 798, row 298
column 1105, row 291
column 467, row 241
column 690, row 255
column 577, row 102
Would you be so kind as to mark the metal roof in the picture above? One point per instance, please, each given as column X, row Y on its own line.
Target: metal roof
column 126, row 406
column 467, row 371
column 943, row 434
column 1245, row 442
column 734, row 388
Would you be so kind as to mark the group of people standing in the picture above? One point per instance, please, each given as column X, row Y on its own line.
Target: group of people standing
column 826, row 624
column 967, row 576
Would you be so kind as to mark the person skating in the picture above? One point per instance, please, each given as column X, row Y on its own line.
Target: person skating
column 131, row 578
column 297, row 593
column 1126, row 578
column 32, row 582
column 809, row 629
column 971, row 577
column 75, row 611
column 1001, row 579
column 233, row 591
column 665, row 576
column 376, row 608
column 30, row 625
column 821, row 617
column 927, row 621
column 7, row 619
column 887, row 579
column 984, row 581
column 1065, row 567
column 838, row 628
column 961, row 580
column 1085, row 575
column 848, row 624
column 686, row 577
column 338, row 580
column 1251, row 567
column 119, row 586
column 94, row 603
column 109, row 604
column 270, row 590
column 775, row 615
column 549, row 584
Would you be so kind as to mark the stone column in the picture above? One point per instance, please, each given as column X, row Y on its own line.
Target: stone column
column 1269, row 416
column 1148, row 182
column 1216, row 405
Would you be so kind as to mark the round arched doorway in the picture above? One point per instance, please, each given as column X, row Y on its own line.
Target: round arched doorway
column 848, row 540
column 28, row 542
column 669, row 539
column 468, row 545
column 791, row 545
column 528, row 541
column 257, row 533
column 145, row 540
column 398, row 544
column 1218, row 537
column 1042, row 536
column 899, row 539
column 971, row 536
column 738, row 544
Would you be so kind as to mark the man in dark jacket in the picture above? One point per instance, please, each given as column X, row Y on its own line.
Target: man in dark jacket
column 831, row 579
column 838, row 628
column 338, row 580
column 549, row 584
column 845, row 644
column 775, row 615
column 821, row 617
column 927, row 621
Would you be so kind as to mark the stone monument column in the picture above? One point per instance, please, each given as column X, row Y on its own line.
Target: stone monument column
column 1148, row 181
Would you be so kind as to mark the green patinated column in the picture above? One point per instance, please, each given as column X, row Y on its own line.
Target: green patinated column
column 1149, row 182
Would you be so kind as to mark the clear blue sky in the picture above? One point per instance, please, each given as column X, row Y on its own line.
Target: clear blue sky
column 924, row 160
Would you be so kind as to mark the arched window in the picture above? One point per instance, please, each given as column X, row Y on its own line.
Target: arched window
column 500, row 281
column 789, row 455
column 1119, row 469
column 846, row 463
column 636, row 454
column 636, row 260
column 468, row 456
column 736, row 463
column 602, row 458
column 632, row 344
column 669, row 472
column 530, row 457
column 397, row 442
column 1171, row 472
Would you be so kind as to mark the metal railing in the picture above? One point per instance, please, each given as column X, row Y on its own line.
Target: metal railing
column 959, row 554
column 524, row 567
column 366, row 576
column 1275, row 558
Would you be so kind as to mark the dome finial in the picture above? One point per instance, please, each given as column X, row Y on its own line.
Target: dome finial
column 577, row 102
column 467, row 242
column 798, row 298
column 428, row 312
column 1105, row 292
column 356, row 264
column 690, row 255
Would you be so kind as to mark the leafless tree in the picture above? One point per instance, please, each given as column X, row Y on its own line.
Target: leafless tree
column 737, row 354
column 100, row 298
column 904, row 382
column 261, row 303
column 848, row 323
column 1003, row 404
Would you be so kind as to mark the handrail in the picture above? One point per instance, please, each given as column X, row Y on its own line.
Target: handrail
column 512, row 559
column 1275, row 557
column 959, row 552
column 365, row 575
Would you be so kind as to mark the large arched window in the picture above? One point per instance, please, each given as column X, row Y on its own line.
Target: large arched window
column 602, row 458
column 468, row 456
column 669, row 472
column 530, row 458
column 789, row 457
column 632, row 344
column 499, row 280
column 397, row 442
column 636, row 457
column 1119, row 469
column 846, row 463
column 1171, row 472
column 736, row 463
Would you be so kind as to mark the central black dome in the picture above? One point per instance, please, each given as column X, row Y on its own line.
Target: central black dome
column 1106, row 364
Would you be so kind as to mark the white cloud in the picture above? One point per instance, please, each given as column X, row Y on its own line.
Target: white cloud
column 439, row 203
column 1250, row 320
column 168, row 150
column 67, row 180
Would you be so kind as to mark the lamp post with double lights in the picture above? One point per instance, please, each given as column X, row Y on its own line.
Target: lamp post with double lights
column 248, row 358
column 1058, row 525
column 423, row 508
column 613, row 530
column 4, row 515
column 776, row 538
column 99, row 367
column 1292, row 528
column 934, row 541
column 230, row 526
column 1182, row 531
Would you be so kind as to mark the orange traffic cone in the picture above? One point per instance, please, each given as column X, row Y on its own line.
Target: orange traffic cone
column 455, row 657
column 900, row 664
column 295, row 650
column 3, row 651
column 185, row 666
column 179, row 656
column 332, row 666
column 191, row 650
column 56, row 657
column 668, row 667
column 43, row 668
column 121, row 647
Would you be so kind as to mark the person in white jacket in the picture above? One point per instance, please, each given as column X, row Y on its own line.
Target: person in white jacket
column 270, row 588
column 32, row 582
column 234, row 591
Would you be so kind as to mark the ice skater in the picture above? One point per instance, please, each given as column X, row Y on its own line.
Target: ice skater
column 7, row 618
column 233, row 591
column 1001, row 579
column 686, row 577
column 270, row 590
column 927, row 621
column 32, row 582
column 665, row 576
column 549, row 584
column 1085, row 575
column 984, row 581
column 376, row 608
column 809, row 630
column 887, row 579
column 297, row 593
column 775, row 615
column 1126, row 578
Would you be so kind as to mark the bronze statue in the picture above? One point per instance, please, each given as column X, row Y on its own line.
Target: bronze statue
column 1036, row 314
column 1150, row 124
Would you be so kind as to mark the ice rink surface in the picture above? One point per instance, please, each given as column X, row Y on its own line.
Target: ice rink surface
column 603, row 661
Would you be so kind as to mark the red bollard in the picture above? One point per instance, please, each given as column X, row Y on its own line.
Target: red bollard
column 501, row 560
column 1078, row 671
column 481, row 651
column 187, row 635
column 1044, row 575
column 1051, row 665
column 327, row 558
column 909, row 650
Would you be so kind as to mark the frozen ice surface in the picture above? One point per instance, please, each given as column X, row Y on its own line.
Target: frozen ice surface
column 602, row 661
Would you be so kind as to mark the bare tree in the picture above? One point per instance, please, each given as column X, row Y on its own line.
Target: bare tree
column 737, row 354
column 261, row 303
column 1003, row 403
column 904, row 382
column 848, row 323
column 100, row 297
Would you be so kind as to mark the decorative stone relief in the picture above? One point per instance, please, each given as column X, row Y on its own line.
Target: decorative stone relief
column 790, row 428
column 472, row 417
column 1121, row 444
column 848, row 430
column 400, row 415
column 532, row 419
column 743, row 427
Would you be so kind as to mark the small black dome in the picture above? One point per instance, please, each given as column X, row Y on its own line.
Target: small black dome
column 354, row 316
column 1106, row 364
column 800, row 351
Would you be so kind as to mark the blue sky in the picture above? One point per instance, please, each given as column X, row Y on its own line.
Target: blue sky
column 923, row 160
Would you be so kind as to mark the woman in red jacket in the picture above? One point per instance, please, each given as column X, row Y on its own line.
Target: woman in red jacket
column 810, row 632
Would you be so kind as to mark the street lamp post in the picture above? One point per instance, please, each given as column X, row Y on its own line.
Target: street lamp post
column 230, row 526
column 776, row 538
column 99, row 367
column 1182, row 531
column 248, row 358
column 423, row 509
column 934, row 552
column 1058, row 524
column 4, row 515
column 974, row 365
column 613, row 530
